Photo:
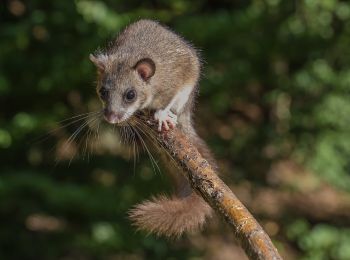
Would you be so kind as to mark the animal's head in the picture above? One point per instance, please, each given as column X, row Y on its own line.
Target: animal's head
column 122, row 87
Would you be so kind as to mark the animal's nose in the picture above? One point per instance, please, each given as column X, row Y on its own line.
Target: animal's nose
column 112, row 117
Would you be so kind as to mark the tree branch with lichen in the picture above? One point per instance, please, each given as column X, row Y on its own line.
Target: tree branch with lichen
column 205, row 181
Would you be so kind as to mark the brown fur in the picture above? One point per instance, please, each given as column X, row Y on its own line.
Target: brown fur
column 175, row 64
column 171, row 216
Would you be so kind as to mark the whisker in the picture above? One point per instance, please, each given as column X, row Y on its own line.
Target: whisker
column 155, row 142
column 74, row 135
column 153, row 161
column 47, row 135
column 87, row 138
column 95, row 136
column 84, row 114
column 86, row 125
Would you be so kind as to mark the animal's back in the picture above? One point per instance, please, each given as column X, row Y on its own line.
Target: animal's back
column 146, row 36
column 176, row 60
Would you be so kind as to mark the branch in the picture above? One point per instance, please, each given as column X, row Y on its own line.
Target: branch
column 204, row 179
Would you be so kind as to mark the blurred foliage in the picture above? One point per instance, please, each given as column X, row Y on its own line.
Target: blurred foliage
column 275, row 88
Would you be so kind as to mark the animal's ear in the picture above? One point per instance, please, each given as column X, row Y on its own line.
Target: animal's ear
column 99, row 61
column 145, row 68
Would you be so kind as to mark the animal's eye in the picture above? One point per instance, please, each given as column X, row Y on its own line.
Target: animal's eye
column 103, row 93
column 130, row 95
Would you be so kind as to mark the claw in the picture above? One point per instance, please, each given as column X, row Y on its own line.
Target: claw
column 166, row 125
column 171, row 124
column 166, row 119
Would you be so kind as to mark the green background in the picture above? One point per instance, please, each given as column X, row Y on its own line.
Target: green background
column 274, row 107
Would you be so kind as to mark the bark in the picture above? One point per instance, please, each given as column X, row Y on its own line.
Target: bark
column 205, row 181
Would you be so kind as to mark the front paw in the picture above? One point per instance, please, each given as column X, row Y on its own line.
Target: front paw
column 165, row 118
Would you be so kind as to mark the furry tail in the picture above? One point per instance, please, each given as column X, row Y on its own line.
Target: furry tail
column 171, row 216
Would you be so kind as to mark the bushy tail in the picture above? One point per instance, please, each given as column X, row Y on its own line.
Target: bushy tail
column 171, row 216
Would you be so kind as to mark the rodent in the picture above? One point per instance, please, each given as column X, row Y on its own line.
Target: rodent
column 148, row 66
